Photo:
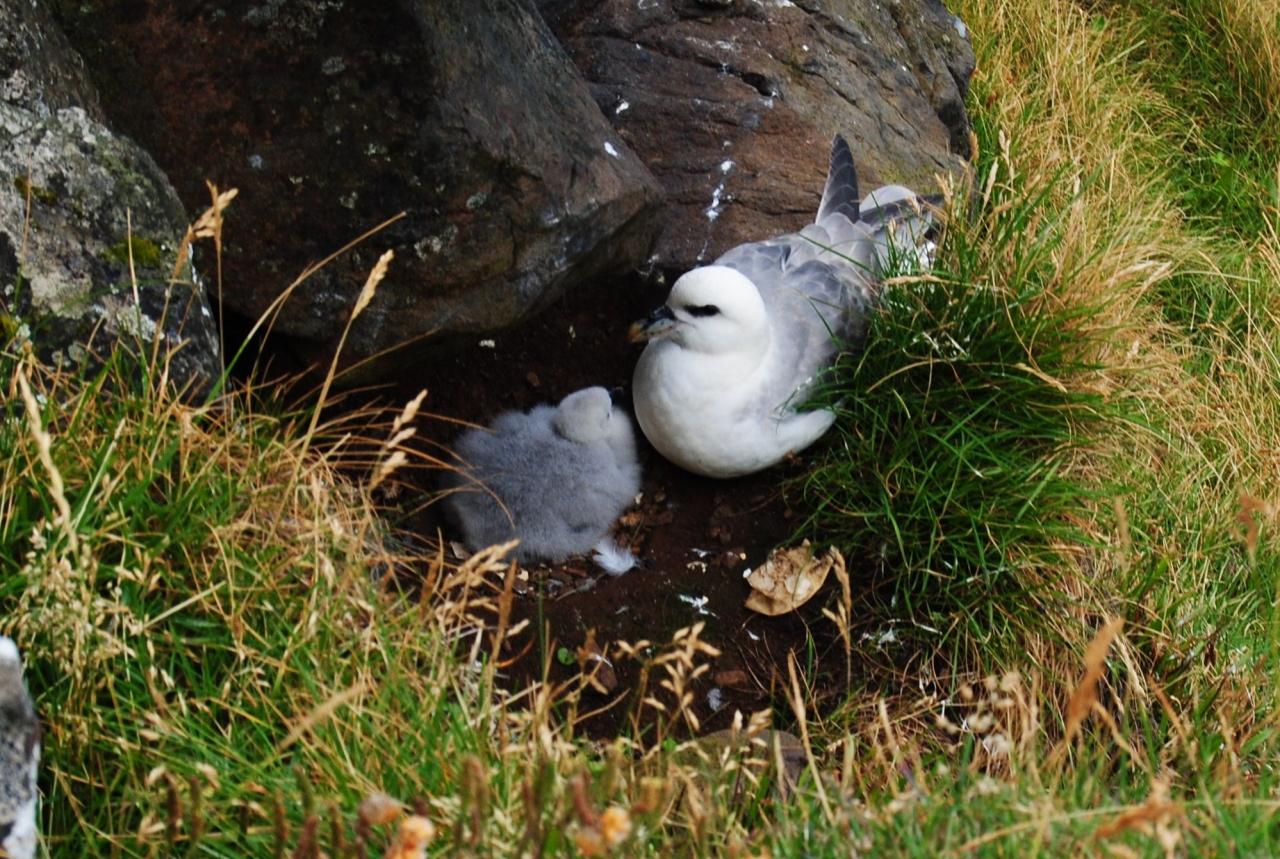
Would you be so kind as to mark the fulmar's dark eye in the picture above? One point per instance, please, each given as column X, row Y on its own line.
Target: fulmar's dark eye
column 701, row 310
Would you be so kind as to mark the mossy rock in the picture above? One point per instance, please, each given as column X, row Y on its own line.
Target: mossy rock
column 36, row 192
column 145, row 252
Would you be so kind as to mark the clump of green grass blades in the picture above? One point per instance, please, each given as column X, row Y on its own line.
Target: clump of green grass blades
column 957, row 419
column 1219, row 58
column 209, row 619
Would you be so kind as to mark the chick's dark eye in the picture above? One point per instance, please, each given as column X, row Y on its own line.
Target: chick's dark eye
column 702, row 310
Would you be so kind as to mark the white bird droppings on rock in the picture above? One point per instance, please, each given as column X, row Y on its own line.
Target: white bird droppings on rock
column 717, row 193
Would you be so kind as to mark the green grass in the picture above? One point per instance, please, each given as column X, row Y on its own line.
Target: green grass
column 195, row 603
column 1207, row 56
column 957, row 423
column 1153, row 418
column 1063, row 424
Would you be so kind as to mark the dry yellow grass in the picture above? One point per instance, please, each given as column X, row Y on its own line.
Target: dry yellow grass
column 1071, row 103
column 1068, row 107
column 1071, row 107
column 1251, row 29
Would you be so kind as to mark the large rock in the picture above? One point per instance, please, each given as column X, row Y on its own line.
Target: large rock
column 71, row 188
column 332, row 116
column 733, row 103
column 39, row 70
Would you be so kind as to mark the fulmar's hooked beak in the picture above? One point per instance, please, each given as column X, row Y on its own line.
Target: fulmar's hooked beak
column 661, row 322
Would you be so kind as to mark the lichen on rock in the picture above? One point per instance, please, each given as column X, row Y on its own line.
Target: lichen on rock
column 89, row 225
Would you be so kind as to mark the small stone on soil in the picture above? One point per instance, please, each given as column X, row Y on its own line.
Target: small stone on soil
column 732, row 677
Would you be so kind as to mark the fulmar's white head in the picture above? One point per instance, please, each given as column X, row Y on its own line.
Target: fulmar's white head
column 713, row 310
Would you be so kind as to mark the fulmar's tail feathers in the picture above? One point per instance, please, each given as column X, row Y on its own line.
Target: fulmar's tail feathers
column 841, row 192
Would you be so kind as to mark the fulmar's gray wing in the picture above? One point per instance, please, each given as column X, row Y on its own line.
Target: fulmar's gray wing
column 818, row 285
column 815, row 299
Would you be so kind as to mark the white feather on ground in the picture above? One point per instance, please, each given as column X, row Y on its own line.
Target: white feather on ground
column 556, row 478
column 739, row 342
column 19, row 757
column 612, row 558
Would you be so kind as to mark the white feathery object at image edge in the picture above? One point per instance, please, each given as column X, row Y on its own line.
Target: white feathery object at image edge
column 19, row 757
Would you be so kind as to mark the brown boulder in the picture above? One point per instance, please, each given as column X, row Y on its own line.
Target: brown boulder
column 733, row 105
column 331, row 116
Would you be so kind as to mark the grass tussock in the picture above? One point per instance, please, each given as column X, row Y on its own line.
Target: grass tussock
column 1137, row 291
column 968, row 456
column 197, row 597
column 959, row 424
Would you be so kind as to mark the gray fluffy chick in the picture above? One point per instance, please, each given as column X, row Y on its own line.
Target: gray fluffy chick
column 556, row 478
column 19, row 757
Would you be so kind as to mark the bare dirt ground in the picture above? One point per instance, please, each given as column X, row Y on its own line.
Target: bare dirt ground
column 695, row 536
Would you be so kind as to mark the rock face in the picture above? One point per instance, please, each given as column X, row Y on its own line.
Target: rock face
column 71, row 188
column 733, row 103
column 514, row 162
column 332, row 116
column 38, row 68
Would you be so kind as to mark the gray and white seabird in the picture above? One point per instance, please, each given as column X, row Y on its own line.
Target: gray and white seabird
column 738, row 343
column 556, row 478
